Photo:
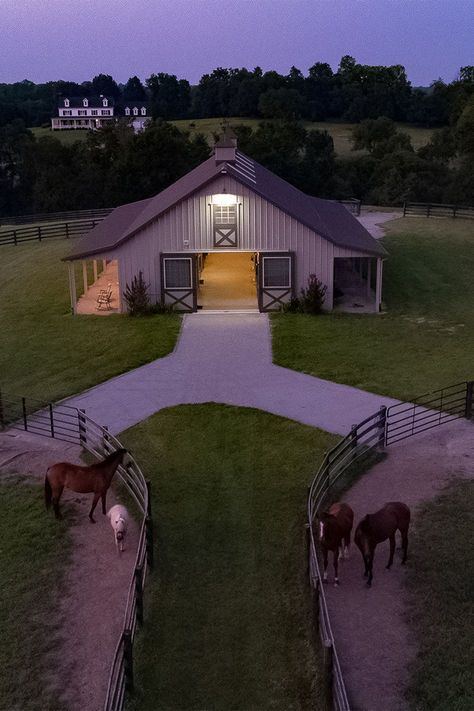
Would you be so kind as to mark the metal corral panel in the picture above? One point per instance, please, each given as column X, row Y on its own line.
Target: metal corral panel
column 187, row 227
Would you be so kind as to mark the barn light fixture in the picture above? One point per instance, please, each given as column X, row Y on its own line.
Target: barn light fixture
column 224, row 199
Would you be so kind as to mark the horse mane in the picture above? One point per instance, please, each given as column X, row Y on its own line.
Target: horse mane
column 111, row 457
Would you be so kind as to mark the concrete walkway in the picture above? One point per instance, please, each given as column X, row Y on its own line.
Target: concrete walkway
column 227, row 359
column 373, row 221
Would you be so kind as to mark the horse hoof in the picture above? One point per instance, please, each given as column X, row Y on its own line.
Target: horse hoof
column 368, row 585
column 92, row 520
column 336, row 583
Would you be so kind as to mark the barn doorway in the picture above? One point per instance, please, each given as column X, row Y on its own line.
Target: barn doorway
column 227, row 281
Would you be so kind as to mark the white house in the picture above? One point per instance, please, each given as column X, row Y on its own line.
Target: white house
column 93, row 112
column 230, row 234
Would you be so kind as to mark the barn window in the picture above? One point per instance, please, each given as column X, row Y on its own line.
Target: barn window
column 178, row 274
column 277, row 272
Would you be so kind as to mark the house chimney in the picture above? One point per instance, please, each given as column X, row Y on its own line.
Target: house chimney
column 226, row 147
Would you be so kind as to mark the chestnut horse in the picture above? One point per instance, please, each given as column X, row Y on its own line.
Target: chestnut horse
column 96, row 478
column 379, row 526
column 335, row 526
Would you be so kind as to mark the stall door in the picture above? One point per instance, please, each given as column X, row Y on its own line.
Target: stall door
column 275, row 279
column 179, row 281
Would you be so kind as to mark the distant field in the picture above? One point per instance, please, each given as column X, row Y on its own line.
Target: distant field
column 340, row 132
column 67, row 137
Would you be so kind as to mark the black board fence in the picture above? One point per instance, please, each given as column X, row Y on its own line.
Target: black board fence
column 62, row 230
column 430, row 209
column 69, row 424
column 69, row 215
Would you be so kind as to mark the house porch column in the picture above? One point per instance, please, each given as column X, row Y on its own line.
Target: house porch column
column 84, row 275
column 378, row 285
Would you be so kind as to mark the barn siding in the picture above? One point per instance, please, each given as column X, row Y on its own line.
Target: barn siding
column 262, row 227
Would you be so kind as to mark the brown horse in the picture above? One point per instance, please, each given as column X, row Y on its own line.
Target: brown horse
column 377, row 527
column 96, row 478
column 335, row 526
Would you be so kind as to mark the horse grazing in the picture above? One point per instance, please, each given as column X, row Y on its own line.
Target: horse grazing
column 96, row 478
column 335, row 526
column 377, row 527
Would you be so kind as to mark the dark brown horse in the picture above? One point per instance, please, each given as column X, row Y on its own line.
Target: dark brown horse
column 96, row 478
column 335, row 526
column 379, row 526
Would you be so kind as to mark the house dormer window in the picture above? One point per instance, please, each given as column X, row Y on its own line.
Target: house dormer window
column 66, row 103
column 135, row 111
column 105, row 102
column 127, row 111
column 85, row 102
column 143, row 111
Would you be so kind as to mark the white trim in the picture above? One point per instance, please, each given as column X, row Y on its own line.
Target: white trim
column 277, row 286
column 174, row 259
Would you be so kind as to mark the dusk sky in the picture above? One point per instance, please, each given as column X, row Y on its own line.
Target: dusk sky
column 42, row 40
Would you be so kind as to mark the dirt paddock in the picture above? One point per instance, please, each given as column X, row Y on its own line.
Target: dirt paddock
column 96, row 583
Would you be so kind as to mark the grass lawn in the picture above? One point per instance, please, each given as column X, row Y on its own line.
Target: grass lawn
column 48, row 354
column 340, row 132
column 33, row 553
column 67, row 137
column 424, row 341
column 227, row 608
column 440, row 576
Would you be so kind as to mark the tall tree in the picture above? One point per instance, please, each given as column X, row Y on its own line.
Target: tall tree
column 134, row 90
column 106, row 85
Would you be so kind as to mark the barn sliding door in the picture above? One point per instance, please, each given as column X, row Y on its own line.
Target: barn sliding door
column 179, row 281
column 275, row 279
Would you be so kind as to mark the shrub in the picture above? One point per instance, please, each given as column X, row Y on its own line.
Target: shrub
column 136, row 296
column 311, row 299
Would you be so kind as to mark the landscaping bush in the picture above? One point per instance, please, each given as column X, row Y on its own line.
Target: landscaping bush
column 136, row 296
column 311, row 299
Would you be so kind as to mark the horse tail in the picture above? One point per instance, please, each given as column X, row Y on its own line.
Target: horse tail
column 48, row 493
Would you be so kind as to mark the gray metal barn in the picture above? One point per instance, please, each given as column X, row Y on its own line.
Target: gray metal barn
column 230, row 234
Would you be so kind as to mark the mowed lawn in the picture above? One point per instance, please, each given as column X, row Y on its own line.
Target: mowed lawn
column 47, row 353
column 34, row 550
column 424, row 341
column 227, row 613
column 442, row 572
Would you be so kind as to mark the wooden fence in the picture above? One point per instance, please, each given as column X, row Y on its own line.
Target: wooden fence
column 425, row 209
column 40, row 232
column 69, row 424
column 68, row 215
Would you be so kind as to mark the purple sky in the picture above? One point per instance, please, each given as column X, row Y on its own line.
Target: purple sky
column 43, row 40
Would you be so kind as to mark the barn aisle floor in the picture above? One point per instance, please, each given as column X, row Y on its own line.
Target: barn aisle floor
column 229, row 282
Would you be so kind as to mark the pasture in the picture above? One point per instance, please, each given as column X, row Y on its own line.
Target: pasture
column 340, row 132
column 48, row 354
column 66, row 137
column 440, row 571
column 34, row 553
column 227, row 607
column 424, row 341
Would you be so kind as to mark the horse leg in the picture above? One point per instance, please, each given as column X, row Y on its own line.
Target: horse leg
column 369, row 564
column 404, row 545
column 103, row 497
column 347, row 543
column 392, row 550
column 55, row 501
column 336, row 557
column 94, row 504
column 325, row 561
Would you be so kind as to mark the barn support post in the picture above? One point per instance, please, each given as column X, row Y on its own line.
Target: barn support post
column 72, row 286
column 104, row 265
column 95, row 269
column 84, row 276
column 378, row 286
column 369, row 275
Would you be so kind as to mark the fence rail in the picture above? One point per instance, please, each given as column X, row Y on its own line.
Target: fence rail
column 437, row 210
column 69, row 424
column 97, row 214
column 40, row 232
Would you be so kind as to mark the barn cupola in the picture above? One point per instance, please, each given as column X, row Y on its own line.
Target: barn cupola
column 226, row 147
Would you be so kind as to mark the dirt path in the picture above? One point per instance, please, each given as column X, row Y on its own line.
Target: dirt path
column 96, row 583
column 373, row 638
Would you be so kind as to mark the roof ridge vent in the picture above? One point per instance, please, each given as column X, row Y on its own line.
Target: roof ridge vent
column 225, row 148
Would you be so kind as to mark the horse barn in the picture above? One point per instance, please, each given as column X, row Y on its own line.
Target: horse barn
column 228, row 236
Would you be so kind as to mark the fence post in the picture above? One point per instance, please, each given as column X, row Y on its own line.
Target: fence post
column 315, row 610
column 14, row 237
column 67, row 230
column 39, row 232
column 25, row 420
column 354, row 438
column 428, row 209
column 51, row 419
column 382, row 423
column 469, row 393
column 404, row 209
column 328, row 654
column 105, row 439
column 139, row 593
column 82, row 426
column 128, row 659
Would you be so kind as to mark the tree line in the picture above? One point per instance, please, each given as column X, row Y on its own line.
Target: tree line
column 114, row 165
column 352, row 93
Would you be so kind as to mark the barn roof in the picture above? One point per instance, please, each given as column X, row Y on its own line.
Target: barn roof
column 329, row 219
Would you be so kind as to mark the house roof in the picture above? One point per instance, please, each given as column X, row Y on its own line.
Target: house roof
column 329, row 219
column 76, row 102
